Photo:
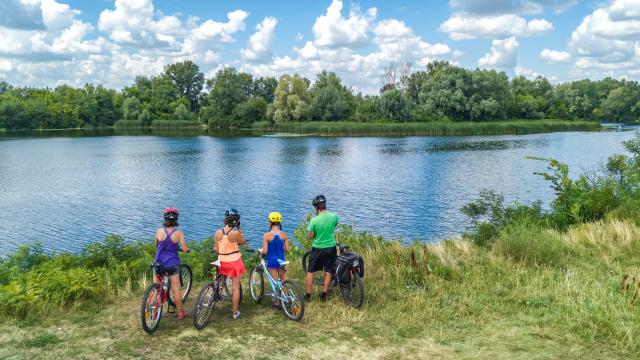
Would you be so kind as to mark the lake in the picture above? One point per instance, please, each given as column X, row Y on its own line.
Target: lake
column 67, row 191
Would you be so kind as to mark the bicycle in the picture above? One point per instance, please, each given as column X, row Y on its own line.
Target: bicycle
column 289, row 295
column 211, row 293
column 156, row 294
column 352, row 290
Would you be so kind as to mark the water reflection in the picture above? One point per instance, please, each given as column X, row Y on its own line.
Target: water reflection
column 68, row 191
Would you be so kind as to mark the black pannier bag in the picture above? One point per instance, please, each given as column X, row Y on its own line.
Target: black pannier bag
column 344, row 263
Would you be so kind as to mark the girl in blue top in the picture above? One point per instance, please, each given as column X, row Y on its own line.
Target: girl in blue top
column 275, row 243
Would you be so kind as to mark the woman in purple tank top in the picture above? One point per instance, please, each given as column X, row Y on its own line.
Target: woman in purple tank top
column 167, row 261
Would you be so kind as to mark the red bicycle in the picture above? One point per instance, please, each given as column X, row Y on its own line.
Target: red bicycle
column 156, row 294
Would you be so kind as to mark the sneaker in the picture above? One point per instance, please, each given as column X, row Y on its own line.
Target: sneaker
column 236, row 314
column 323, row 297
column 275, row 306
column 307, row 297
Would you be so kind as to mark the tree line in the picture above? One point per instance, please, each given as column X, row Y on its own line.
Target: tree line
column 235, row 99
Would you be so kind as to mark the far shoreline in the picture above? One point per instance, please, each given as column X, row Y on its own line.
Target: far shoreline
column 350, row 129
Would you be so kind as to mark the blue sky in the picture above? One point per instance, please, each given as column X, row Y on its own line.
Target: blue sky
column 51, row 42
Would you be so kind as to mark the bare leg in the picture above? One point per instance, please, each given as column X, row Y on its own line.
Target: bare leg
column 175, row 287
column 235, row 293
column 309, row 282
column 327, row 281
column 281, row 273
column 274, row 274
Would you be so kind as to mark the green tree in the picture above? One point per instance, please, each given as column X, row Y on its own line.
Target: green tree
column 132, row 108
column 330, row 99
column 227, row 89
column 187, row 79
column 254, row 109
column 394, row 105
column 181, row 112
column 291, row 101
column 265, row 87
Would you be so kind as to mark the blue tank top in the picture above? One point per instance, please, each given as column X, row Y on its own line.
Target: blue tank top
column 167, row 251
column 275, row 251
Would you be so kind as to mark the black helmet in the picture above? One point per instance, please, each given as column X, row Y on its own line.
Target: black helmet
column 320, row 199
column 170, row 213
column 232, row 217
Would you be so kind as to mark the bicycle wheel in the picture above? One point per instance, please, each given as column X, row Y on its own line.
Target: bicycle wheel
column 292, row 300
column 204, row 305
column 353, row 293
column 305, row 261
column 185, row 284
column 228, row 290
column 256, row 283
column 151, row 308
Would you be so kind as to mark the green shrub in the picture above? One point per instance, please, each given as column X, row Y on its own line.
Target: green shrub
column 531, row 244
column 628, row 210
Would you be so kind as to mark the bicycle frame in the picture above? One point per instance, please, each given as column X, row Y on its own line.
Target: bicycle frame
column 276, row 284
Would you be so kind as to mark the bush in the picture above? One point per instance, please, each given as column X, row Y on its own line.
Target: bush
column 628, row 210
column 489, row 215
column 531, row 244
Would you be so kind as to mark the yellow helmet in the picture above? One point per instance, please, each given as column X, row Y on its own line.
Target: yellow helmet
column 275, row 217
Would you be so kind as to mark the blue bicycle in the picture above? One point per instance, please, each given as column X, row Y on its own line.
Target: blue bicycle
column 286, row 292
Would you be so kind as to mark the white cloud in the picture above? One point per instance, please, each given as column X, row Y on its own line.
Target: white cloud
column 394, row 41
column 334, row 30
column 606, row 42
column 57, row 15
column 555, row 57
column 503, row 54
column 258, row 47
column 463, row 27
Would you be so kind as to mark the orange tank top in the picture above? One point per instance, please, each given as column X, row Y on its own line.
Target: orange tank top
column 228, row 251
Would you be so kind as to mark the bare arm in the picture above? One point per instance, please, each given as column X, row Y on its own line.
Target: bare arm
column 312, row 235
column 215, row 242
column 265, row 244
column 286, row 241
column 237, row 236
column 183, row 243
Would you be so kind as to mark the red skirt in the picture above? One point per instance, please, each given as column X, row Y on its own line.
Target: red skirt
column 232, row 269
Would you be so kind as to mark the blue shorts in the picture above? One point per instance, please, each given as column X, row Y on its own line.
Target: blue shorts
column 273, row 264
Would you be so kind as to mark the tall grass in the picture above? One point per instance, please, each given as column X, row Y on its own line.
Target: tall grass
column 175, row 124
column 428, row 128
column 530, row 294
column 129, row 124
column 158, row 124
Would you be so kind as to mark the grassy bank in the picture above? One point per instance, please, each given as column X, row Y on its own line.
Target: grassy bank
column 157, row 124
column 554, row 298
column 428, row 128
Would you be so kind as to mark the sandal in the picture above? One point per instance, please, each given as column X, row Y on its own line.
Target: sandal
column 182, row 315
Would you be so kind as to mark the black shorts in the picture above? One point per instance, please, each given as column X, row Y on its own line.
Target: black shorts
column 322, row 259
column 161, row 270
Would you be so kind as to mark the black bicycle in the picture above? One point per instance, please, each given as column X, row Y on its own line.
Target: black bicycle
column 217, row 290
column 348, row 279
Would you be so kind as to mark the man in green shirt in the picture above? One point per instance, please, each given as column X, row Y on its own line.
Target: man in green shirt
column 323, row 255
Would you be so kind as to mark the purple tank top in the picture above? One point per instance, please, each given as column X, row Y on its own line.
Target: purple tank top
column 167, row 251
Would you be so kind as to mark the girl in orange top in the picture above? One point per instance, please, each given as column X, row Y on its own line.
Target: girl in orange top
column 227, row 240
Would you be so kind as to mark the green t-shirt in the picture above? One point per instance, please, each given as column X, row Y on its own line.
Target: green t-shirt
column 324, row 226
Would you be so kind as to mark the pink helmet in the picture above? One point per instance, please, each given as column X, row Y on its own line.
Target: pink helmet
column 170, row 213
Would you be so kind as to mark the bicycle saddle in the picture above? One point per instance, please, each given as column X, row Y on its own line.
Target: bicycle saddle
column 283, row 262
column 216, row 263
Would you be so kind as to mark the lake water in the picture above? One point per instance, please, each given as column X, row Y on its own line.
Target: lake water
column 69, row 191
